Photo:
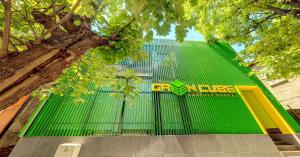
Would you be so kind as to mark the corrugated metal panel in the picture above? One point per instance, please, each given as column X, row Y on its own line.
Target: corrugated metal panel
column 171, row 114
column 139, row 117
column 210, row 113
column 104, row 116
column 228, row 53
column 160, row 113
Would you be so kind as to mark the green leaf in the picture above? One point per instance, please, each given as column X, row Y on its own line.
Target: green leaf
column 149, row 36
column 77, row 22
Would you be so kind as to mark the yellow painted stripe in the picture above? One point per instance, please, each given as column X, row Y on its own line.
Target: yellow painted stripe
column 238, row 88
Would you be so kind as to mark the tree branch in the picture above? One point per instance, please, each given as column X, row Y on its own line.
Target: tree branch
column 14, row 38
column 10, row 41
column 284, row 12
column 6, row 31
column 252, row 28
column 116, row 35
column 13, row 45
column 39, row 39
column 128, row 24
column 85, row 21
column 294, row 3
column 278, row 10
column 25, row 17
column 68, row 24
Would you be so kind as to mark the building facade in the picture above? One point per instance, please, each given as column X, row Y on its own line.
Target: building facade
column 286, row 91
column 195, row 92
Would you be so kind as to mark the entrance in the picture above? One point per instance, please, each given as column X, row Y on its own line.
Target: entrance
column 263, row 111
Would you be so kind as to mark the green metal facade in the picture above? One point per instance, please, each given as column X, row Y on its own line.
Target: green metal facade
column 161, row 113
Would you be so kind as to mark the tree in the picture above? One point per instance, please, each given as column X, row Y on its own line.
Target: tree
column 6, row 31
column 269, row 30
column 85, row 37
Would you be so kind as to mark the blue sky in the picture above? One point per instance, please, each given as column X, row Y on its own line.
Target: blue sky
column 192, row 35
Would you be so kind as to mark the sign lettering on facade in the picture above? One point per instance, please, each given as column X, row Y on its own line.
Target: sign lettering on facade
column 181, row 88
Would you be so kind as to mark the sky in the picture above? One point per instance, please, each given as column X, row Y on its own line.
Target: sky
column 192, row 35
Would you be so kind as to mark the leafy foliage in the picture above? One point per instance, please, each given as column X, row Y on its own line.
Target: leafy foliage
column 268, row 29
column 129, row 23
column 92, row 72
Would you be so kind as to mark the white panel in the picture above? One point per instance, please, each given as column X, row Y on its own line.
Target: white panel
column 68, row 150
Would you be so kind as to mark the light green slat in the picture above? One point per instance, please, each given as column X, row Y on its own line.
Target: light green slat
column 170, row 111
column 105, row 115
column 139, row 116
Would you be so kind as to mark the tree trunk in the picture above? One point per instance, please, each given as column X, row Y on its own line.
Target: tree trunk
column 24, row 72
column 43, row 61
column 6, row 31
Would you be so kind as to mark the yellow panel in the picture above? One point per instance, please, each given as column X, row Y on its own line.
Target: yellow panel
column 238, row 89
column 258, row 108
column 268, row 106
column 276, row 116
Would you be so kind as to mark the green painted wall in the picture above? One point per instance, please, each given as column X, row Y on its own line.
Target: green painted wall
column 162, row 113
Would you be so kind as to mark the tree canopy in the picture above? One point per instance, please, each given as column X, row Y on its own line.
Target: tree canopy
column 269, row 30
column 47, row 36
column 80, row 40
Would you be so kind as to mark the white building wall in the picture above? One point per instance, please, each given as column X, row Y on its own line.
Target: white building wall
column 287, row 92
